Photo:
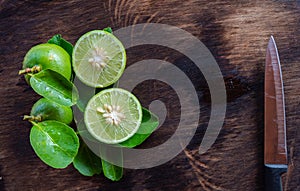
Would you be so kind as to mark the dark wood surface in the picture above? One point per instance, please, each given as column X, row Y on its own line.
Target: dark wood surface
column 236, row 32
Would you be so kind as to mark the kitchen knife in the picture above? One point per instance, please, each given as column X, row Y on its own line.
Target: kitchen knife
column 275, row 151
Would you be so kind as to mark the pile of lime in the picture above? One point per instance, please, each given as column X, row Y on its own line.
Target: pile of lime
column 112, row 116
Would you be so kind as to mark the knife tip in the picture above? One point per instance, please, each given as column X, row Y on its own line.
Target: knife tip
column 272, row 41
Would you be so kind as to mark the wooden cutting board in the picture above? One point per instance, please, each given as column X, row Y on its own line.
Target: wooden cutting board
column 236, row 33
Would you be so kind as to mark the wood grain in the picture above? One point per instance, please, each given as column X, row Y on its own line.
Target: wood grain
column 236, row 32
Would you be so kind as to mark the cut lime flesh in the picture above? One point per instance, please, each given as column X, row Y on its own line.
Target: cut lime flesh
column 99, row 58
column 113, row 115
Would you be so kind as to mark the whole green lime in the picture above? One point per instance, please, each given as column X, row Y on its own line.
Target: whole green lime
column 45, row 109
column 48, row 56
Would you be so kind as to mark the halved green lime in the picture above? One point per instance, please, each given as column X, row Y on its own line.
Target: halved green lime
column 99, row 58
column 113, row 115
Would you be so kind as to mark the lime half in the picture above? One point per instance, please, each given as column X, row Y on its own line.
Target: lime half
column 99, row 58
column 113, row 115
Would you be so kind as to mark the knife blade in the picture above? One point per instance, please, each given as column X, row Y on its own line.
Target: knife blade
column 275, row 149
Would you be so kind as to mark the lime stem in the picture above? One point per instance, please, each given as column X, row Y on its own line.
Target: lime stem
column 32, row 118
column 34, row 69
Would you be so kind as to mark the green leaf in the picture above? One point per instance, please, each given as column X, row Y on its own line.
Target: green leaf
column 58, row 40
column 85, row 94
column 108, row 29
column 149, row 124
column 111, row 171
column 86, row 162
column 55, row 143
column 81, row 105
column 55, row 87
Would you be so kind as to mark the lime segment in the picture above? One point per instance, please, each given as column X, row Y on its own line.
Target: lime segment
column 113, row 115
column 99, row 58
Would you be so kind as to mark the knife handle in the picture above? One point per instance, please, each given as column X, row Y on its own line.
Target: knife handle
column 273, row 178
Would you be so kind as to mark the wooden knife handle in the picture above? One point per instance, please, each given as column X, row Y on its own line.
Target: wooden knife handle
column 273, row 178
